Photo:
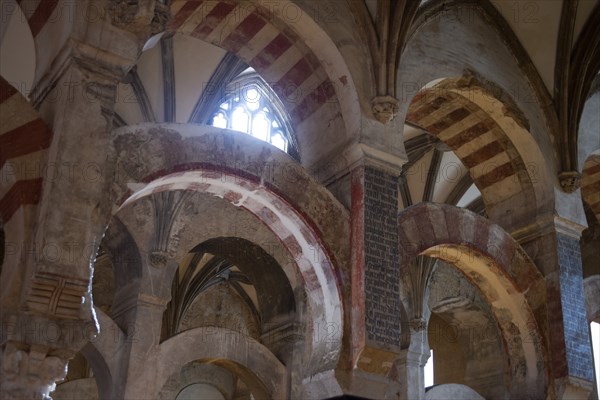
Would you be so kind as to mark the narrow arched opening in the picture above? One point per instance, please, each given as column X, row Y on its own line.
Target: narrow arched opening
column 232, row 283
column 464, row 335
column 492, row 262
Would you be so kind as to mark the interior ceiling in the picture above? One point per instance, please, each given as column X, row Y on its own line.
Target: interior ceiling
column 194, row 62
column 584, row 8
column 535, row 24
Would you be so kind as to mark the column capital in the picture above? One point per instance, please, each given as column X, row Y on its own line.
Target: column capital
column 30, row 372
column 107, row 47
column 570, row 181
column 548, row 224
column 568, row 227
column 384, row 108
column 159, row 259
column 354, row 156
column 58, row 334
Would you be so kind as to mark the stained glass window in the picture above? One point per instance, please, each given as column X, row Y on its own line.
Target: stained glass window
column 252, row 107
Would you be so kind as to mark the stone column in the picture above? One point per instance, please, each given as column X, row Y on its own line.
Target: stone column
column 286, row 341
column 28, row 372
column 553, row 244
column 71, row 218
column 408, row 368
column 75, row 97
column 35, row 352
column 139, row 312
column 375, row 320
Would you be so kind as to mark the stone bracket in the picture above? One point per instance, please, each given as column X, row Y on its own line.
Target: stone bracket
column 570, row 181
column 384, row 108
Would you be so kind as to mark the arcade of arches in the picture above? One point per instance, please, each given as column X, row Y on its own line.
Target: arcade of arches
column 299, row 199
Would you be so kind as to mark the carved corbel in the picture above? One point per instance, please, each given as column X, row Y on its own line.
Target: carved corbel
column 143, row 17
column 384, row 108
column 386, row 33
column 417, row 280
column 570, row 181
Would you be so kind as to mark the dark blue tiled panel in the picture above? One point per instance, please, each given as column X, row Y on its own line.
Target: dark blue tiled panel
column 382, row 278
column 576, row 331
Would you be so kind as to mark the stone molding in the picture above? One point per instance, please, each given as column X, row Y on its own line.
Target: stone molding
column 545, row 225
column 356, row 155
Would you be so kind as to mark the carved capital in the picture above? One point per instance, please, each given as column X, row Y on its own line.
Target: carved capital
column 158, row 259
column 418, row 324
column 417, row 282
column 570, row 181
column 29, row 372
column 162, row 14
column 384, row 108
column 68, row 335
column 144, row 17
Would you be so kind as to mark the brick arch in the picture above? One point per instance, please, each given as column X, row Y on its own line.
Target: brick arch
column 50, row 22
column 459, row 113
column 313, row 82
column 590, row 184
column 495, row 263
column 149, row 151
column 251, row 175
column 24, row 142
column 477, row 40
column 37, row 13
column 323, row 303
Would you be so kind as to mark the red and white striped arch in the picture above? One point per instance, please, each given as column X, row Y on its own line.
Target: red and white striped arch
column 278, row 53
column 24, row 142
column 590, row 184
column 482, row 145
column 273, row 51
column 50, row 23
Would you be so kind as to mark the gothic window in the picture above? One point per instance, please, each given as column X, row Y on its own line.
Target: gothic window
column 251, row 106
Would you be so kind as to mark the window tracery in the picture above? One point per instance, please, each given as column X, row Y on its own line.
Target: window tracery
column 251, row 106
